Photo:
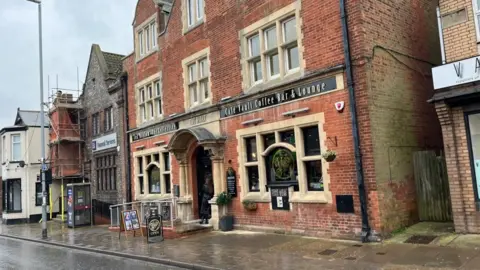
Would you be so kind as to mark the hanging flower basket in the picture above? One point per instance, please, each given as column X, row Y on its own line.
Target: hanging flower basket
column 249, row 205
column 329, row 155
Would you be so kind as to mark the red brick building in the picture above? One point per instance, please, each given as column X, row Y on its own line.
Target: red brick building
column 457, row 104
column 254, row 92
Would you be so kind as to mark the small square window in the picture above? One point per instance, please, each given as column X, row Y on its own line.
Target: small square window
column 256, row 68
column 254, row 46
column 142, row 95
column 142, row 187
column 168, row 188
column 190, row 9
column 203, row 68
column 292, row 58
column 289, row 30
column 253, row 182
column 271, row 38
column 273, row 65
column 152, row 111
column 199, row 9
column 193, row 94
column 192, row 73
column 159, row 106
column 166, row 160
column 150, row 92
column 156, row 157
column 288, row 136
column 140, row 165
column 314, row 175
column 311, row 141
column 157, row 89
column 251, row 145
column 268, row 139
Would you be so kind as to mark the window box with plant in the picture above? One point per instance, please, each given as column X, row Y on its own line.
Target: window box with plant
column 226, row 221
column 249, row 205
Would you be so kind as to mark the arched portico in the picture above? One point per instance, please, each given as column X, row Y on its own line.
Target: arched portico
column 181, row 145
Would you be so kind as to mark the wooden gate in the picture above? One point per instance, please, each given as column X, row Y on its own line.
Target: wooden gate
column 433, row 192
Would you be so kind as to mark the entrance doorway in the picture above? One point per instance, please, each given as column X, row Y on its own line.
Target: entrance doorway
column 203, row 168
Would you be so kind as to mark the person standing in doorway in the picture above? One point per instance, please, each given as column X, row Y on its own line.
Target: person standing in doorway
column 206, row 195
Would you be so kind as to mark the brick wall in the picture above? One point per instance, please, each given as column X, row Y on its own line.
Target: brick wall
column 465, row 216
column 391, row 90
column 460, row 39
column 393, row 83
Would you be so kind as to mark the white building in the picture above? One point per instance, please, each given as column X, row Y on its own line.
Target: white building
column 20, row 156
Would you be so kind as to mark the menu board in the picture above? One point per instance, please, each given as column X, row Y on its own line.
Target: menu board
column 231, row 182
column 280, row 198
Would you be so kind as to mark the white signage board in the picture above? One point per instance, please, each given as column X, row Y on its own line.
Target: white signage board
column 104, row 142
column 456, row 73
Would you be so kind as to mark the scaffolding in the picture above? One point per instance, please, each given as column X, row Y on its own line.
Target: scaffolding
column 66, row 135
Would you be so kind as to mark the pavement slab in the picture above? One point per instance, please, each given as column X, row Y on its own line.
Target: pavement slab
column 247, row 250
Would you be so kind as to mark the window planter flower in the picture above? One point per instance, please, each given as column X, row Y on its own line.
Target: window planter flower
column 249, row 205
column 329, row 155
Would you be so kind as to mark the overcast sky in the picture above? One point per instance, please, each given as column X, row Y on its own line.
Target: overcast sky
column 69, row 29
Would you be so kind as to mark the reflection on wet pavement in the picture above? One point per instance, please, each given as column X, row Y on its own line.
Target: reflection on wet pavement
column 16, row 254
column 246, row 250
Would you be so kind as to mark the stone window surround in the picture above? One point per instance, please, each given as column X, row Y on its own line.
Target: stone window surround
column 154, row 49
column 205, row 53
column 197, row 22
column 150, row 80
column 160, row 164
column 292, row 9
column 303, row 195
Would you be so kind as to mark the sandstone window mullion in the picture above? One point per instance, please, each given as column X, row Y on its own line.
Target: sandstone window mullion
column 261, row 164
column 146, row 180
column 162, row 171
column 277, row 136
column 299, row 142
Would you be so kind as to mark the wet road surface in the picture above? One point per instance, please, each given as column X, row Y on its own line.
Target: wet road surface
column 15, row 254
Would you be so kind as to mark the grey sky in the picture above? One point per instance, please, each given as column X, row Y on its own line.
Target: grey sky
column 69, row 29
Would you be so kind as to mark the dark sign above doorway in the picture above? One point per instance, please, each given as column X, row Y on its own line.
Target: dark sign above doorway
column 154, row 131
column 280, row 97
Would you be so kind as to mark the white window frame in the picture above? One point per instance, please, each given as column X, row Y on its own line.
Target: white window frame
column 277, row 20
column 198, row 16
column 19, row 143
column 476, row 14
column 147, row 37
column 141, row 170
column 201, row 83
column 150, row 97
column 303, row 195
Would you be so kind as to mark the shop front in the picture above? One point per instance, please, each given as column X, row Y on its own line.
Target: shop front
column 457, row 102
column 175, row 158
column 293, row 151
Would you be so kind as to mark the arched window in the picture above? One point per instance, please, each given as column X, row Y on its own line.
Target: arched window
column 154, row 180
column 281, row 167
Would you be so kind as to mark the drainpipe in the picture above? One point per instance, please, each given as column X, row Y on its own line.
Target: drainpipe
column 353, row 113
column 440, row 34
column 127, row 140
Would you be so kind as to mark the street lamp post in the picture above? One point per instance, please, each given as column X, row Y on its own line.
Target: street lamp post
column 42, row 122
